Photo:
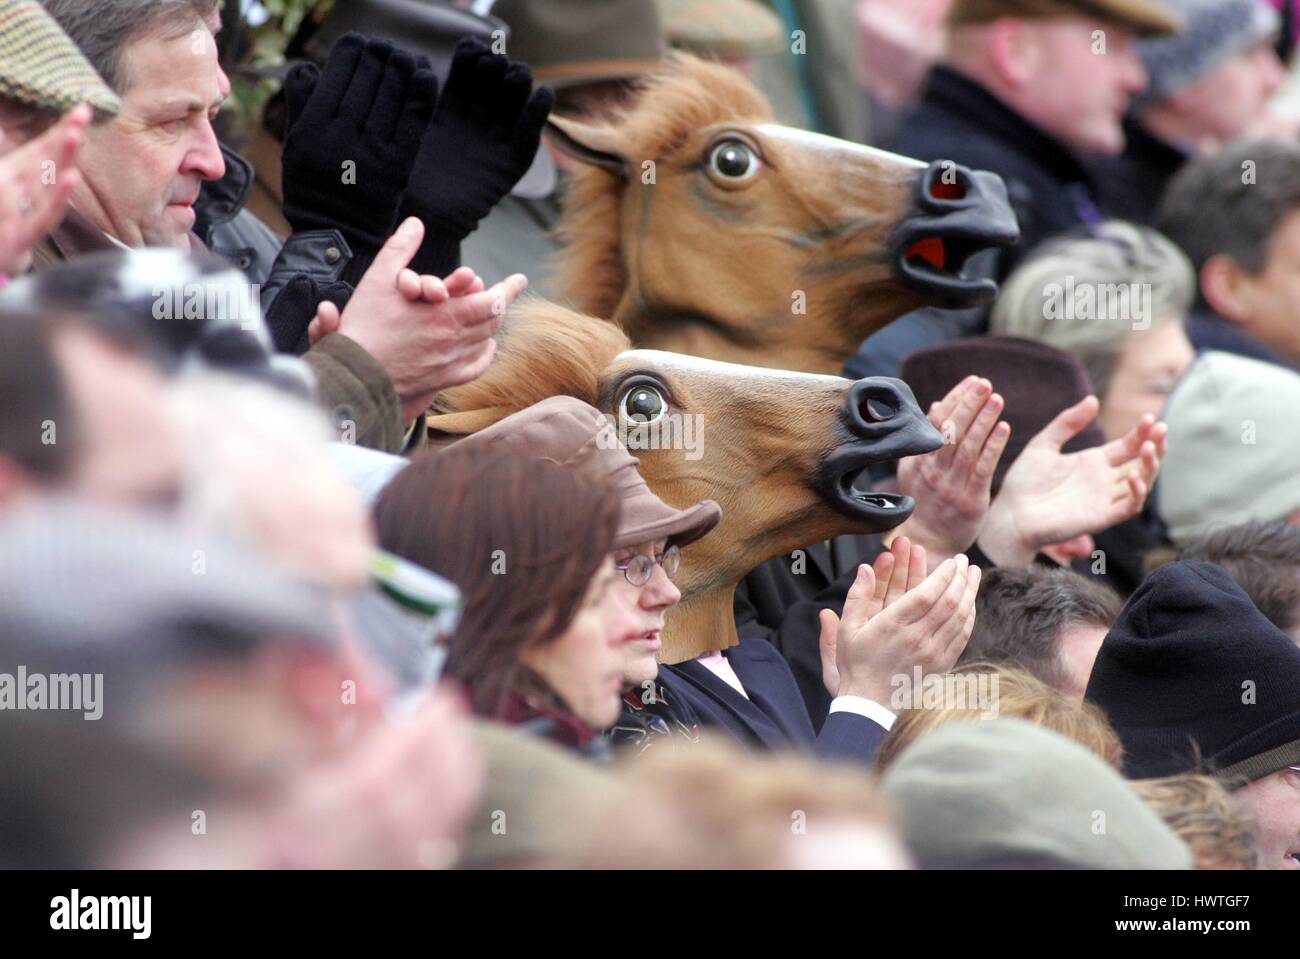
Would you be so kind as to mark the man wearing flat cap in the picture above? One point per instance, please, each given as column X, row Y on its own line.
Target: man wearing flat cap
column 43, row 77
column 1030, row 89
column 590, row 52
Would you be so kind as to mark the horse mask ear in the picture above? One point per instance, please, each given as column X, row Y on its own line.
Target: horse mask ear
column 595, row 146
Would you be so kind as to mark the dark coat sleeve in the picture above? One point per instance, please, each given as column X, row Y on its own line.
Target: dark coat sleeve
column 849, row 736
column 796, row 635
column 782, row 606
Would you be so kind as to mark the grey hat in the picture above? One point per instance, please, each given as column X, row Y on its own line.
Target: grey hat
column 86, row 584
column 1233, row 455
column 195, row 310
column 1213, row 31
column 86, row 579
column 574, row 42
column 1006, row 794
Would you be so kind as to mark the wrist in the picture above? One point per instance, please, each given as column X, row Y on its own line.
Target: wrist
column 937, row 546
column 413, row 406
column 864, row 688
column 1002, row 542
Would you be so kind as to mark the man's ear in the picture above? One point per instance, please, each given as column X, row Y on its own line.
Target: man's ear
column 595, row 146
column 1226, row 288
column 1013, row 50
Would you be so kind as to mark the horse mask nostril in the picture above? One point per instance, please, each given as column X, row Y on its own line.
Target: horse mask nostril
column 876, row 411
column 940, row 189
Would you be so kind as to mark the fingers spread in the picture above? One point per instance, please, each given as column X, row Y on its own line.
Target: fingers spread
column 1069, row 423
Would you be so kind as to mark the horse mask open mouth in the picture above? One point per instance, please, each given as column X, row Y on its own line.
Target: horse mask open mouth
column 880, row 420
column 959, row 214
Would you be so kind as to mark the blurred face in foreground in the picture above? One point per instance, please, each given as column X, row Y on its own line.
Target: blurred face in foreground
column 129, row 447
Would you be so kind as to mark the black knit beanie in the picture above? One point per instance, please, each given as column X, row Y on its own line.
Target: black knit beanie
column 1194, row 678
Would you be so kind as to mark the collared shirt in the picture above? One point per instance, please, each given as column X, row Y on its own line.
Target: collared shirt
column 716, row 663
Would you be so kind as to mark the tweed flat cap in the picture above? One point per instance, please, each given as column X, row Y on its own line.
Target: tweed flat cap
column 41, row 67
column 574, row 42
column 731, row 29
column 1146, row 18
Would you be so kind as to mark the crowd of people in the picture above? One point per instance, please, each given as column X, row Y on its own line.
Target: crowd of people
column 258, row 612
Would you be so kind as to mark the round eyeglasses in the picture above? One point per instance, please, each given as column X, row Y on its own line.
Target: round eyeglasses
column 639, row 568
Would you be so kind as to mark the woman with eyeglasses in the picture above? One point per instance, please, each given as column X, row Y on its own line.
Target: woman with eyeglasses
column 651, row 714
column 546, row 529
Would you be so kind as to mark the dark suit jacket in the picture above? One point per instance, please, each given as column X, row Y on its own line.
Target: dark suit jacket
column 1049, row 187
column 774, row 716
column 780, row 602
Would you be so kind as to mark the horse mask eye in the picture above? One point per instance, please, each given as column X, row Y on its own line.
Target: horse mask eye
column 642, row 404
column 734, row 160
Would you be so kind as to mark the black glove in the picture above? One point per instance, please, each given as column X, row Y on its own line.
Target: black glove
column 483, row 138
column 294, row 307
column 369, row 108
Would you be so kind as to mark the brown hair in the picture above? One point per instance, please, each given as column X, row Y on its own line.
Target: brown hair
column 1020, row 695
column 1021, row 615
column 1200, row 811
column 520, row 537
column 1264, row 560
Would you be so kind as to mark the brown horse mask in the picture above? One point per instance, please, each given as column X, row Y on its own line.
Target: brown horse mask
column 778, row 450
column 700, row 226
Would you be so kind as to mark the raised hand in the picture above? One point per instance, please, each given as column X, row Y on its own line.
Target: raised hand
column 36, row 180
column 424, row 347
column 483, row 138
column 951, row 485
column 352, row 138
column 913, row 620
column 1052, row 497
